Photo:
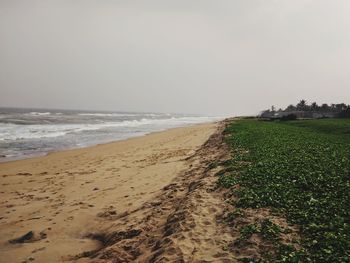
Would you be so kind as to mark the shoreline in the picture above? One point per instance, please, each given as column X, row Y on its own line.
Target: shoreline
column 43, row 154
column 66, row 197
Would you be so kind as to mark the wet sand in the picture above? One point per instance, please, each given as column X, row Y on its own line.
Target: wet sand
column 79, row 204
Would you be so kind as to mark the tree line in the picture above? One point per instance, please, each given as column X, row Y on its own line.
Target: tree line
column 304, row 106
column 341, row 110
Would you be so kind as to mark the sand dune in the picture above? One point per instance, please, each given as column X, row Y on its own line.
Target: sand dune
column 146, row 199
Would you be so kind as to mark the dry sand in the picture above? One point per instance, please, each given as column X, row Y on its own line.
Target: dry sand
column 146, row 199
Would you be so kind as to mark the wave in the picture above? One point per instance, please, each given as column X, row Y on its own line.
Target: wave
column 11, row 132
column 34, row 113
column 108, row 114
column 124, row 114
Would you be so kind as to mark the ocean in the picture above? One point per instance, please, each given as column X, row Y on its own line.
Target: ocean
column 27, row 133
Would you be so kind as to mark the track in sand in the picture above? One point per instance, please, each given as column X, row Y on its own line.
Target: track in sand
column 181, row 224
column 148, row 199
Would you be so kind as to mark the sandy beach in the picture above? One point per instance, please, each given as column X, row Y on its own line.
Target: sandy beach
column 106, row 203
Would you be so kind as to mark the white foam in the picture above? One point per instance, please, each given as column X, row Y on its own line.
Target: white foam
column 108, row 114
column 34, row 113
column 19, row 132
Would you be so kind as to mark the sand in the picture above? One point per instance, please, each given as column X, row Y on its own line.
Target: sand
column 146, row 199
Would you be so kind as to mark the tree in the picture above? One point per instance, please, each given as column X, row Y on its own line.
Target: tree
column 291, row 107
column 340, row 107
column 314, row 106
column 302, row 105
column 325, row 107
column 333, row 107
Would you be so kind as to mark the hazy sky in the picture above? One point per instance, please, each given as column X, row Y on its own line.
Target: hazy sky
column 200, row 56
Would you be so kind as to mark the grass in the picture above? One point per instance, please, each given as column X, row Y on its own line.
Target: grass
column 300, row 169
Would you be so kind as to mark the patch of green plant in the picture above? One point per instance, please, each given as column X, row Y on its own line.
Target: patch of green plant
column 287, row 253
column 269, row 230
column 266, row 229
column 302, row 170
column 232, row 216
column 248, row 230
column 227, row 181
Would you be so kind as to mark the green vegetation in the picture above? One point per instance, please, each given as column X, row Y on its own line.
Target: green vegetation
column 267, row 229
column 300, row 169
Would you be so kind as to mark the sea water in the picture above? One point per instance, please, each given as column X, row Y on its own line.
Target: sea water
column 31, row 132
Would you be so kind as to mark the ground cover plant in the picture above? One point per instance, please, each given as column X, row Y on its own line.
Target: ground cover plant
column 301, row 170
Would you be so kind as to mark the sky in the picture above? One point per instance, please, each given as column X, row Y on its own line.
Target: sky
column 222, row 57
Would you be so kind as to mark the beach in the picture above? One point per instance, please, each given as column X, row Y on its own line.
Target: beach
column 90, row 203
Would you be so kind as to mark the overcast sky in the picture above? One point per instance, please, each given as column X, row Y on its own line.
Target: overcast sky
column 201, row 56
